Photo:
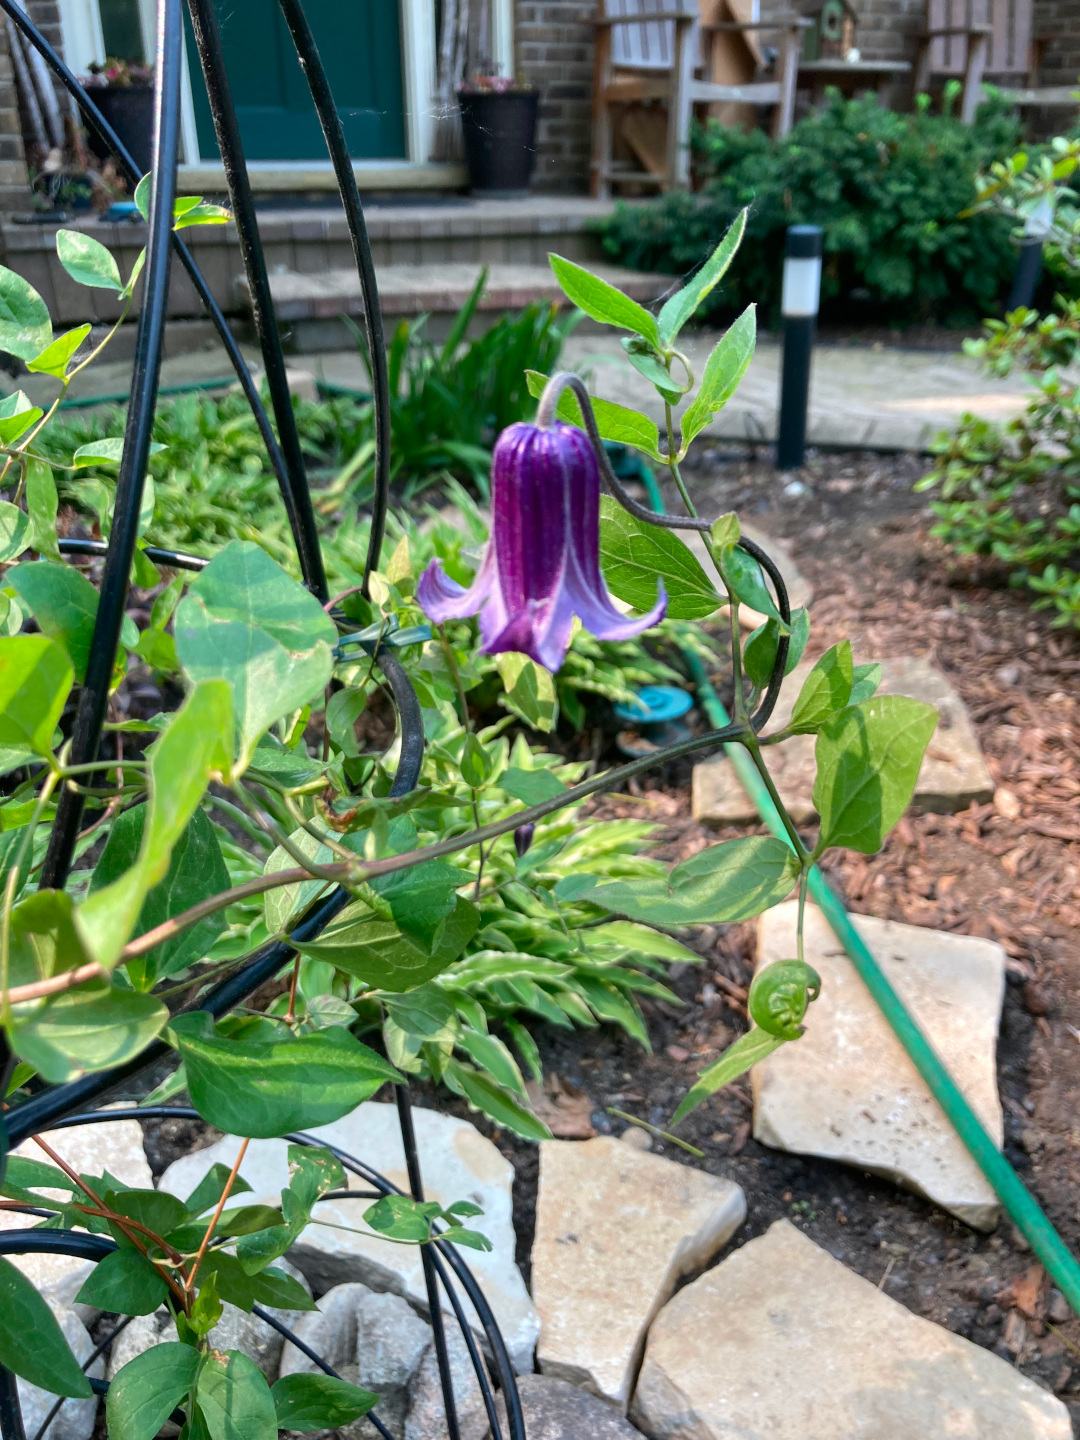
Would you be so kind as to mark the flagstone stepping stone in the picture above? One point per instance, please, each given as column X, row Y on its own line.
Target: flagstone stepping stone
column 782, row 1342
column 89, row 1149
column 953, row 772
column 616, row 1228
column 846, row 1090
column 457, row 1163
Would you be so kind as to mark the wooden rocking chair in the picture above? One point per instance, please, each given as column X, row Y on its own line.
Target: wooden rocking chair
column 970, row 39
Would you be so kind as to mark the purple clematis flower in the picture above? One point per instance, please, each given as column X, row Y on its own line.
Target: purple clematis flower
column 542, row 563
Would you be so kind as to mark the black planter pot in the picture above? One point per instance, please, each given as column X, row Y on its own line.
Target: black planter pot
column 129, row 109
column 500, row 138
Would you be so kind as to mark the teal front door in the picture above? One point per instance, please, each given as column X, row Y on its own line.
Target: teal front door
column 360, row 45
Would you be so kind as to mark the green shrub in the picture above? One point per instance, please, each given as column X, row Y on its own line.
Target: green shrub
column 887, row 189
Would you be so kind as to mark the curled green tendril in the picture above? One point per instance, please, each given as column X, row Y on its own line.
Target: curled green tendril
column 780, row 995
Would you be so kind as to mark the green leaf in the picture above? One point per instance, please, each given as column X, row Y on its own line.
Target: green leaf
column 17, row 414
column 124, row 1282
column 726, row 531
column 14, row 531
column 375, row 950
column 868, row 759
column 202, row 213
column 63, row 602
column 106, row 452
column 342, row 713
column 483, row 1094
column 53, row 360
column 86, row 1029
column 156, row 1209
column 319, row 1402
column 723, row 371
column 31, row 1342
column 421, row 898
column 42, row 506
column 865, row 681
column 648, row 363
column 245, row 620
column 399, row 1217
column 724, row 883
column 475, row 764
column 744, row 579
column 313, row 1172
column 87, row 261
column 746, row 1051
column 425, row 1012
column 267, row 1088
column 610, row 1004
column 529, row 690
column 759, row 655
column 635, row 556
column 288, row 902
column 211, row 1188
column 235, row 1398
column 490, row 1054
column 825, row 690
column 682, row 305
column 192, row 748
column 35, row 680
column 197, row 870
column 531, row 787
column 25, row 327
column 145, row 1391
column 601, row 301
column 274, row 1287
column 641, row 940
column 615, row 422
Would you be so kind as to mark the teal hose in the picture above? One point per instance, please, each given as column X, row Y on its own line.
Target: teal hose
column 1023, row 1209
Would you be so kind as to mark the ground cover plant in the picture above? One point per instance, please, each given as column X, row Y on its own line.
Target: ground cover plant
column 887, row 189
column 429, row 892
column 1011, row 492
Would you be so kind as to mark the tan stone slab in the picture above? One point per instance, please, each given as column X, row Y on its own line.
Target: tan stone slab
column 953, row 772
column 847, row 1091
column 615, row 1230
column 782, row 1342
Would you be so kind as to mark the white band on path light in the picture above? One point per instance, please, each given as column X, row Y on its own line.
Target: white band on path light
column 802, row 287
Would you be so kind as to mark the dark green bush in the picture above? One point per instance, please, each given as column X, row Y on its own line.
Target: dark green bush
column 888, row 190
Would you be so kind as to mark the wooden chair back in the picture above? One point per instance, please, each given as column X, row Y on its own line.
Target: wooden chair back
column 649, row 45
column 1009, row 41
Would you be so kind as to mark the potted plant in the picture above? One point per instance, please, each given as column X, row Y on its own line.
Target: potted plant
column 498, row 122
column 124, row 93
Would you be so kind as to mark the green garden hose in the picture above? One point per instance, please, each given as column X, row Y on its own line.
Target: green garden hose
column 1022, row 1207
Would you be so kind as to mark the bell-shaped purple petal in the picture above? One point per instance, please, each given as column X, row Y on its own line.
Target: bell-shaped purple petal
column 542, row 563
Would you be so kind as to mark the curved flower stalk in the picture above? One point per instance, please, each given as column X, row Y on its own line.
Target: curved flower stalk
column 542, row 563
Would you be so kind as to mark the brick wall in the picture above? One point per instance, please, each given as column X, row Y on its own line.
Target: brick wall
column 554, row 42
column 1059, row 22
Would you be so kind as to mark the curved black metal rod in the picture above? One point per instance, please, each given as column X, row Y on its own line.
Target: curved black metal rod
column 94, row 695
column 307, row 53
column 175, row 559
column 296, row 495
column 108, row 136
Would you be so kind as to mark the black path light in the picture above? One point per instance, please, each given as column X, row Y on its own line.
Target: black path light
column 63, row 1105
column 799, row 307
column 1029, row 262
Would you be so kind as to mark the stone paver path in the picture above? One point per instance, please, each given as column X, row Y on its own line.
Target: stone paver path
column 847, row 1091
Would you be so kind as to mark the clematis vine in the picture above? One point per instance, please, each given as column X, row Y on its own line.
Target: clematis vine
column 542, row 562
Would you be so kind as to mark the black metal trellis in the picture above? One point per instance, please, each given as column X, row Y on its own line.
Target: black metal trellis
column 57, row 1106
column 65, row 1106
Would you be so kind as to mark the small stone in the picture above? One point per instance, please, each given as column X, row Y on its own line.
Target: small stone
column 76, row 1418
column 373, row 1340
column 677, row 1053
column 1035, row 998
column 615, row 1231
column 556, row 1410
column 636, row 1138
column 783, row 1342
column 953, row 772
column 457, row 1163
column 116, row 1146
column 1060, row 1310
column 426, row 1419
column 795, row 489
column 302, row 385
column 847, row 1091
column 1008, row 675
column 1006, row 803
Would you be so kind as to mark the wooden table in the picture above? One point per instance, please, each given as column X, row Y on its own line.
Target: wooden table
column 853, row 77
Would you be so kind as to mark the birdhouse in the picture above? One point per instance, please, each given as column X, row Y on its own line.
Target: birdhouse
column 832, row 33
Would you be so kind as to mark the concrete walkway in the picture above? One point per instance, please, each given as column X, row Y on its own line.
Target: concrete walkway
column 875, row 397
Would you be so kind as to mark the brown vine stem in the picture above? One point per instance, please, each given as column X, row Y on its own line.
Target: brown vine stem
column 189, row 1282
